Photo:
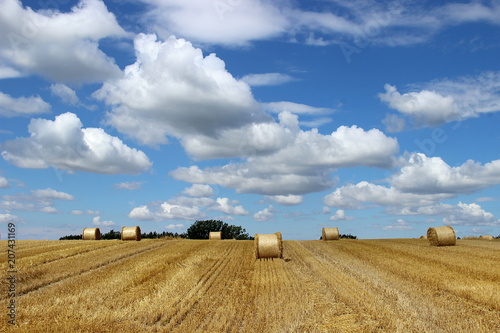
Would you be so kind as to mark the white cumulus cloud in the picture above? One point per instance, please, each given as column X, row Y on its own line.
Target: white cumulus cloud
column 97, row 221
column 50, row 194
column 424, row 174
column 340, row 216
column 286, row 200
column 8, row 218
column 441, row 101
column 218, row 21
column 65, row 93
column 60, row 46
column 264, row 215
column 172, row 89
column 64, row 144
column 4, row 183
column 199, row 191
column 299, row 164
column 22, row 106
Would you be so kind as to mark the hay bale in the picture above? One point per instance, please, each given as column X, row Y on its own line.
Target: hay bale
column 442, row 236
column 91, row 234
column 131, row 233
column 215, row 235
column 330, row 234
column 423, row 237
column 268, row 246
column 486, row 237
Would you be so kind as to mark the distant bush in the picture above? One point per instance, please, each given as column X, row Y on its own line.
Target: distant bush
column 112, row 235
column 348, row 236
column 69, row 237
column 201, row 230
column 165, row 234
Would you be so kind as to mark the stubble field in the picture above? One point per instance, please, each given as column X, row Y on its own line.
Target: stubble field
column 396, row 285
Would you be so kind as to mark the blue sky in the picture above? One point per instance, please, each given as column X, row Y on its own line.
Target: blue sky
column 380, row 118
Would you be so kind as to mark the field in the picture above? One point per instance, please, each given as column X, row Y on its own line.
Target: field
column 396, row 285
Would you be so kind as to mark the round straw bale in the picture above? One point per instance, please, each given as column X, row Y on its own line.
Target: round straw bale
column 330, row 234
column 486, row 237
column 268, row 246
column 423, row 237
column 91, row 234
column 442, row 236
column 131, row 233
column 215, row 235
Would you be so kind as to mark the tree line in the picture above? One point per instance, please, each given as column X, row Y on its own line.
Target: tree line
column 198, row 230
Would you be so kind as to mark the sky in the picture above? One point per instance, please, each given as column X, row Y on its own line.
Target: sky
column 380, row 118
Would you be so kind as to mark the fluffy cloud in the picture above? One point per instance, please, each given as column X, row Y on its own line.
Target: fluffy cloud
column 340, row 216
column 245, row 179
column 260, row 139
column 470, row 214
column 264, row 215
column 142, row 213
column 225, row 205
column 22, row 106
column 186, row 208
column 60, row 46
column 299, row 164
column 287, row 200
column 4, row 183
column 400, row 203
column 428, row 175
column 50, row 194
column 425, row 107
column 64, row 144
column 97, row 221
column 295, row 108
column 441, row 101
column 178, row 212
column 8, row 72
column 267, row 79
column 460, row 214
column 238, row 22
column 8, row 218
column 172, row 89
column 37, row 201
column 65, row 93
column 355, row 196
column 199, row 191
column 219, row 21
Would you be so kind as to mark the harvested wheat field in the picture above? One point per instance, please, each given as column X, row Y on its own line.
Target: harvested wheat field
column 396, row 285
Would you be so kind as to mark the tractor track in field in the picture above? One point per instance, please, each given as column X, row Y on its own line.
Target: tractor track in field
column 86, row 249
column 87, row 271
column 191, row 298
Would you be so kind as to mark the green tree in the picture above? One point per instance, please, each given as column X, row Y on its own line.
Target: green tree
column 70, row 237
column 201, row 230
column 112, row 235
